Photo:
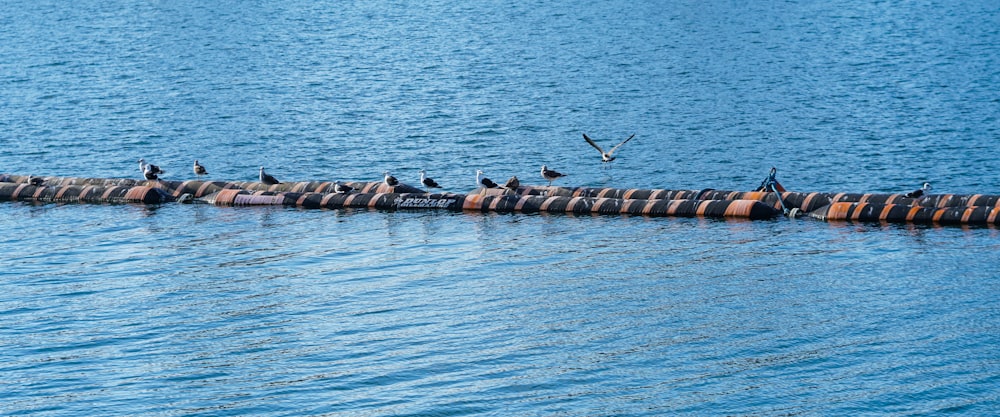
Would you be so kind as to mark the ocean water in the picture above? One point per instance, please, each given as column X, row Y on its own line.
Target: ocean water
column 185, row 310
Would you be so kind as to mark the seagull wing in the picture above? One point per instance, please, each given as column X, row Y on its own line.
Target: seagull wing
column 592, row 143
column 620, row 144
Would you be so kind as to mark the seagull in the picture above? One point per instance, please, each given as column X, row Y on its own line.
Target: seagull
column 149, row 173
column 340, row 188
column 199, row 170
column 427, row 182
column 36, row 181
column 606, row 156
column 550, row 175
column 267, row 179
column 920, row 192
column 390, row 180
column 512, row 183
column 483, row 181
column 150, row 168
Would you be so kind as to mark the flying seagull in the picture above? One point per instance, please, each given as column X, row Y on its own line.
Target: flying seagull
column 267, row 178
column 550, row 175
column 920, row 192
column 609, row 155
column 149, row 170
column 427, row 182
column 199, row 170
column 340, row 188
column 483, row 181
column 390, row 180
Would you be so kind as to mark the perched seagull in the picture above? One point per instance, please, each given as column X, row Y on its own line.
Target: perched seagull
column 267, row 178
column 483, row 181
column 512, row 183
column 152, row 169
column 920, row 192
column 427, row 182
column 550, row 175
column 36, row 181
column 149, row 174
column 342, row 188
column 609, row 155
column 390, row 180
column 199, row 170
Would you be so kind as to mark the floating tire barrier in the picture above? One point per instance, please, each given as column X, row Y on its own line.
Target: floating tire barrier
column 314, row 200
column 805, row 202
column 83, row 194
column 808, row 202
column 747, row 209
column 755, row 205
column 897, row 213
column 199, row 189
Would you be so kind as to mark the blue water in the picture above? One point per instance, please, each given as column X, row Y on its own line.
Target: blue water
column 181, row 310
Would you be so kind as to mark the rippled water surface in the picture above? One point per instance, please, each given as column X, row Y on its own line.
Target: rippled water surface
column 179, row 310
